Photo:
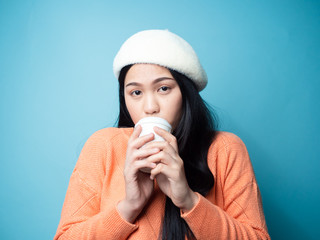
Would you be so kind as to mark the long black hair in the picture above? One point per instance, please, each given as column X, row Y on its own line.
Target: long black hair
column 195, row 133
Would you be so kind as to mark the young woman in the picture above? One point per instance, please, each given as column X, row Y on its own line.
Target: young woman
column 201, row 184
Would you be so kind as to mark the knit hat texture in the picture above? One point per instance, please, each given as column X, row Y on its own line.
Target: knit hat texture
column 163, row 48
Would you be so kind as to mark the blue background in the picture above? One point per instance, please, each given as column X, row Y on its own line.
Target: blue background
column 57, row 88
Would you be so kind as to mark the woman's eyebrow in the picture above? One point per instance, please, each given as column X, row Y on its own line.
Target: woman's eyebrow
column 154, row 81
column 133, row 84
column 162, row 79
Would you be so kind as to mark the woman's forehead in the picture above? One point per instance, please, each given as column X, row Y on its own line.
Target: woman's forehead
column 147, row 73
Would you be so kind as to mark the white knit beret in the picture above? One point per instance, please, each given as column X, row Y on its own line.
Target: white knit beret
column 163, row 48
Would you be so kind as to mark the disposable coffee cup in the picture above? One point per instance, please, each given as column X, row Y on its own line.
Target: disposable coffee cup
column 147, row 125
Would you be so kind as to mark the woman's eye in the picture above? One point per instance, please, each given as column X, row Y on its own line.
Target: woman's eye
column 136, row 93
column 164, row 89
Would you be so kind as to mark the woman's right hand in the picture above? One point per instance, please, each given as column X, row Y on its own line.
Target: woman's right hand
column 139, row 186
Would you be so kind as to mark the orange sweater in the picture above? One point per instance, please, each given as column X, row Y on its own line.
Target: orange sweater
column 231, row 210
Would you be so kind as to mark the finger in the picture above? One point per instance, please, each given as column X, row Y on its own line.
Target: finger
column 167, row 136
column 163, row 146
column 161, row 157
column 144, row 153
column 141, row 141
column 136, row 132
column 137, row 142
column 162, row 169
column 138, row 165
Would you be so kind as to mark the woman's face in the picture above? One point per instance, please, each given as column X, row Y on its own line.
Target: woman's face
column 151, row 91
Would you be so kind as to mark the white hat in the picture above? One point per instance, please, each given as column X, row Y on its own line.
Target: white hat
column 163, row 48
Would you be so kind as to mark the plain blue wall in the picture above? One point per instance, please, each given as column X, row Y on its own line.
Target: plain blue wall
column 57, row 88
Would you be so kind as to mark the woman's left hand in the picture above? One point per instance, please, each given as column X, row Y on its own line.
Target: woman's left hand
column 170, row 173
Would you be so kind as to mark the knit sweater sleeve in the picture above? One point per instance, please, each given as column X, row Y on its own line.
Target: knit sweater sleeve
column 81, row 217
column 241, row 216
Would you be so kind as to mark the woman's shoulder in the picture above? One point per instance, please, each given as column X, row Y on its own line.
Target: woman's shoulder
column 225, row 139
column 110, row 133
column 227, row 142
column 229, row 151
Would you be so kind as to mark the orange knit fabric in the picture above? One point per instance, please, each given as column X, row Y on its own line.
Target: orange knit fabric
column 231, row 210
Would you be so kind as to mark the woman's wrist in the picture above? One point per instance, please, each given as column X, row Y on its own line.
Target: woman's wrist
column 190, row 202
column 127, row 212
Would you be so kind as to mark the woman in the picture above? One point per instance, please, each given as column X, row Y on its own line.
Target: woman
column 201, row 184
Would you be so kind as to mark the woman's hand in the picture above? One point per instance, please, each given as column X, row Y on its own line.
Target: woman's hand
column 139, row 186
column 169, row 171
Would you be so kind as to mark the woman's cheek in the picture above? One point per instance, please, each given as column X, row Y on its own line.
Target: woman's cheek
column 133, row 111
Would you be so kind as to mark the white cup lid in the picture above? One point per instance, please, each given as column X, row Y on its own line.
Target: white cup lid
column 156, row 120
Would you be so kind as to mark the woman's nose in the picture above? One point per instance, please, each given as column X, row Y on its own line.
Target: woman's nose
column 151, row 105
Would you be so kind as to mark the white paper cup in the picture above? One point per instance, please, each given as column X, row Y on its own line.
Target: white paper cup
column 147, row 125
